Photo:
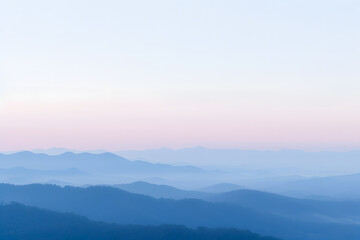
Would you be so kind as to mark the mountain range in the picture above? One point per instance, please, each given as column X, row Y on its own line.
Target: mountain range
column 337, row 187
column 110, row 169
column 255, row 214
column 93, row 163
column 160, row 191
column 279, row 162
column 19, row 222
column 305, row 209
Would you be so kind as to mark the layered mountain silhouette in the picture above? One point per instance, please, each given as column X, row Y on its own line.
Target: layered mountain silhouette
column 284, row 161
column 117, row 206
column 303, row 209
column 19, row 222
column 107, row 168
column 93, row 163
column 160, row 191
column 166, row 191
column 221, row 187
column 340, row 187
column 289, row 160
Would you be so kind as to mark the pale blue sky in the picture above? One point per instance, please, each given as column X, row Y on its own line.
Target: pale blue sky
column 250, row 74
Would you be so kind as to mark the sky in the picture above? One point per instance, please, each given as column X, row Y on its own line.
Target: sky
column 118, row 75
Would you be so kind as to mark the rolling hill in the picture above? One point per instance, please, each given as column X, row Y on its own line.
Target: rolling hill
column 160, row 191
column 117, row 206
column 19, row 222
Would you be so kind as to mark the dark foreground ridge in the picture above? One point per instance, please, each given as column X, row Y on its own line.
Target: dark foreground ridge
column 29, row 223
column 115, row 206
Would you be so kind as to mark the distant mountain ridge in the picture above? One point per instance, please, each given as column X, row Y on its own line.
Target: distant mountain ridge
column 110, row 169
column 58, row 151
column 327, row 162
column 93, row 163
column 322, row 161
column 160, row 191
column 337, row 187
column 221, row 187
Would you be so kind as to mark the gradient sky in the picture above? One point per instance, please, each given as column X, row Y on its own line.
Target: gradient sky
column 145, row 74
